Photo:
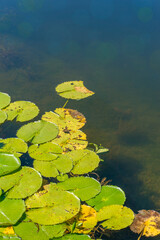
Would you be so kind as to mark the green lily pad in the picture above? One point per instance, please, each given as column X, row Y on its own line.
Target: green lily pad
column 3, row 116
column 22, row 183
column 23, row 110
column 38, row 132
column 84, row 161
column 62, row 177
column 63, row 164
column 15, row 146
column 11, row 211
column 115, row 217
column 29, row 230
column 8, row 163
column 53, row 231
column 109, row 195
column 73, row 90
column 45, row 152
column 74, row 237
column 83, row 187
column 52, row 206
column 4, row 100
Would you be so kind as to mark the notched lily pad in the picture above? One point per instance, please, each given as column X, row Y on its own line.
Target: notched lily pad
column 8, row 163
column 73, row 90
column 45, row 152
column 23, row 110
column 52, row 206
column 22, row 183
column 109, row 195
column 4, row 100
column 84, row 161
column 38, row 132
column 11, row 211
column 15, row 146
column 83, row 187
column 115, row 217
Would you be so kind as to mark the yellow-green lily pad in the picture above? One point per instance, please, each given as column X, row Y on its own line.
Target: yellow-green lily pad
column 38, row 132
column 73, row 90
column 83, row 187
column 52, row 206
column 11, row 211
column 15, row 146
column 84, row 161
column 21, row 184
column 109, row 195
column 3, row 116
column 4, row 100
column 63, row 164
column 8, row 163
column 45, row 152
column 23, row 110
column 115, row 217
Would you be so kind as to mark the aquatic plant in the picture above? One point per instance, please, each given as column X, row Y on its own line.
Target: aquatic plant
column 57, row 198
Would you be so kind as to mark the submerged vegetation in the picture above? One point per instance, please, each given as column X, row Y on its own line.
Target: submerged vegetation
column 57, row 198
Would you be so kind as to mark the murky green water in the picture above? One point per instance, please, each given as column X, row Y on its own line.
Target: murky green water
column 113, row 46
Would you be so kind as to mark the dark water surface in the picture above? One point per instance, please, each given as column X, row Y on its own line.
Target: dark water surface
column 114, row 47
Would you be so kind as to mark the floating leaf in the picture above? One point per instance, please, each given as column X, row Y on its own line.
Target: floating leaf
column 74, row 237
column 45, row 152
column 52, row 206
column 15, row 146
column 84, row 161
column 86, row 220
column 23, row 110
column 22, row 183
column 66, row 119
column 63, row 164
column 38, row 132
column 11, row 211
column 4, row 100
column 83, row 187
column 97, row 148
column 109, row 195
column 3, row 116
column 8, row 163
column 62, row 177
column 146, row 222
column 115, row 217
column 73, row 90
column 53, row 231
column 71, row 140
column 29, row 230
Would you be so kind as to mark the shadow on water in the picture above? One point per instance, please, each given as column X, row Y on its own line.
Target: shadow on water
column 123, row 172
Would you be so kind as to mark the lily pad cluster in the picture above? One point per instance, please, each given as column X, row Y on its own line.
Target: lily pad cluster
column 56, row 198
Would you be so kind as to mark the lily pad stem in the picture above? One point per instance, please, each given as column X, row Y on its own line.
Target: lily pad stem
column 65, row 103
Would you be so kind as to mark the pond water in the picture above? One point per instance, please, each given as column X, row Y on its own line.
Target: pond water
column 113, row 46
